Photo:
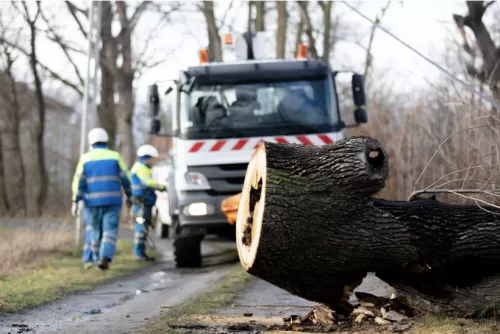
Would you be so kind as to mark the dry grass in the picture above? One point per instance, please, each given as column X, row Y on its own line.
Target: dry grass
column 22, row 247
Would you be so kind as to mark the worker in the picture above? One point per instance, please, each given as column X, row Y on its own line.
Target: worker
column 143, row 190
column 98, row 179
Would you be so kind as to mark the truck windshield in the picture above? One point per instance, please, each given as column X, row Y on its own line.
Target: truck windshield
column 259, row 109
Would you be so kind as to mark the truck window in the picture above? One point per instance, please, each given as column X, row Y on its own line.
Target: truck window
column 250, row 107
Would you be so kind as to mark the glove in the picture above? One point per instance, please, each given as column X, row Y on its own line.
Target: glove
column 129, row 202
column 74, row 209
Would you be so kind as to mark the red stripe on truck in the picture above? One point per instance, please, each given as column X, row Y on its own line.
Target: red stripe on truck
column 325, row 139
column 239, row 145
column 281, row 140
column 304, row 140
column 218, row 146
column 196, row 147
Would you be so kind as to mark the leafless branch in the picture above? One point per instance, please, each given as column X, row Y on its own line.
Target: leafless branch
column 53, row 74
column 64, row 47
column 74, row 13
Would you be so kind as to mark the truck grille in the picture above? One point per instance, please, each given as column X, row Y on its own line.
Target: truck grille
column 224, row 179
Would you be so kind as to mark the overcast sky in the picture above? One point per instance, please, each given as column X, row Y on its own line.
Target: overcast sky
column 424, row 24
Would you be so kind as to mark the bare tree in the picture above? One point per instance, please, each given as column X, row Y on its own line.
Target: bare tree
column 10, row 113
column 214, row 42
column 490, row 72
column 260, row 15
column 36, row 165
column 282, row 29
column 369, row 57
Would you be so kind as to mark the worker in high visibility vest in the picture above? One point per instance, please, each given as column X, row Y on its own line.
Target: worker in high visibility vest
column 143, row 190
column 99, row 177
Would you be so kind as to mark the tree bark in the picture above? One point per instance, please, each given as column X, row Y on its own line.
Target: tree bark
column 11, row 151
column 125, row 78
column 260, row 22
column 214, row 42
column 37, row 171
column 326, row 8
column 308, row 224
column 305, row 18
column 4, row 207
column 282, row 29
column 298, row 36
column 108, row 55
column 489, row 51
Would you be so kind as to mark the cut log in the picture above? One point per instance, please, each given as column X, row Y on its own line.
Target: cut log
column 307, row 223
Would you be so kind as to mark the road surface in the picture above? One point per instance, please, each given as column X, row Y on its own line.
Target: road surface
column 126, row 304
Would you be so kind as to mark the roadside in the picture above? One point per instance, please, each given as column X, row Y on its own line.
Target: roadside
column 124, row 305
column 244, row 305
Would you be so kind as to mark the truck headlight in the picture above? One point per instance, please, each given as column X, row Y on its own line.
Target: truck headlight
column 198, row 209
column 196, row 179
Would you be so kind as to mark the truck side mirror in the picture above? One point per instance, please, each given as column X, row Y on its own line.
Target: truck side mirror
column 358, row 94
column 154, row 108
column 155, row 126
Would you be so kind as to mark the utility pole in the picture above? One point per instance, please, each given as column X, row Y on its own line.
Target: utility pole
column 89, row 104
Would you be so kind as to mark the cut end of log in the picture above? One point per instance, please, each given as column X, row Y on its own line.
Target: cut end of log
column 251, row 209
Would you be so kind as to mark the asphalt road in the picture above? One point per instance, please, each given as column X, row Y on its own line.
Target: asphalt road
column 127, row 304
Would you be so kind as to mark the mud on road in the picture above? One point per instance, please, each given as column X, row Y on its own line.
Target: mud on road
column 126, row 304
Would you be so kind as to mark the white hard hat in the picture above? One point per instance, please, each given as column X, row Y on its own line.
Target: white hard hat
column 98, row 135
column 148, row 150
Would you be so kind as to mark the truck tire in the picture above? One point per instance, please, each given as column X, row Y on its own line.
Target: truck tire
column 187, row 246
column 162, row 230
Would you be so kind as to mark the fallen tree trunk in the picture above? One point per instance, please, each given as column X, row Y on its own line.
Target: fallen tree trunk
column 308, row 224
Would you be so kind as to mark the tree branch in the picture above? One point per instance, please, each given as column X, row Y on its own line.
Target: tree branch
column 53, row 74
column 58, row 39
column 73, row 11
column 308, row 28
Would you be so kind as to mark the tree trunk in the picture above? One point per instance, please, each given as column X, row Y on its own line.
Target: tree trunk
column 298, row 36
column 250, row 16
column 282, row 29
column 308, row 224
column 326, row 7
column 214, row 42
column 4, row 207
column 11, row 148
column 304, row 16
column 260, row 24
column 38, row 170
column 108, row 55
column 125, row 107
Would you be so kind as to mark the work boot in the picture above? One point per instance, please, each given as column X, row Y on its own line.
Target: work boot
column 144, row 258
column 103, row 263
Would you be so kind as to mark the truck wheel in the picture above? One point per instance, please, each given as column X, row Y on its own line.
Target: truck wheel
column 187, row 246
column 162, row 230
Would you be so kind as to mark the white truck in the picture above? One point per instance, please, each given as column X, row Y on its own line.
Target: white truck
column 218, row 113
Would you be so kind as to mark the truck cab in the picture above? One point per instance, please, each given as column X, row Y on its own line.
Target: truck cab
column 219, row 113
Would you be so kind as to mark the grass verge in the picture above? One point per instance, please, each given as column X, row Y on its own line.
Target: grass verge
column 56, row 275
column 435, row 324
column 222, row 294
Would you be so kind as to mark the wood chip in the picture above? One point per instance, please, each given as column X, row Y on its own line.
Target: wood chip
column 363, row 310
column 395, row 316
column 247, row 314
column 361, row 318
column 323, row 314
column 383, row 311
column 19, row 325
column 383, row 322
column 165, row 306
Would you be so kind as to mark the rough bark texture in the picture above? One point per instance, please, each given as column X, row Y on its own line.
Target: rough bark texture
column 282, row 29
column 321, row 232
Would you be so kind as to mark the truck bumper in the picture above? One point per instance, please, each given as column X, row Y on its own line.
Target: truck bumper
column 214, row 216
